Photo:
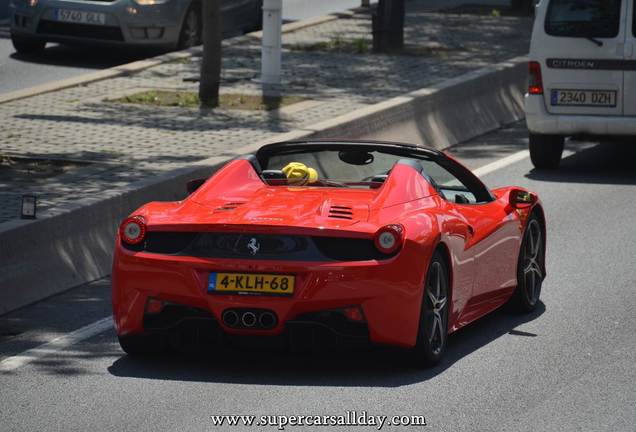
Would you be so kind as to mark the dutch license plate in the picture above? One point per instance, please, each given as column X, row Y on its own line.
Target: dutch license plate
column 590, row 98
column 80, row 17
column 251, row 283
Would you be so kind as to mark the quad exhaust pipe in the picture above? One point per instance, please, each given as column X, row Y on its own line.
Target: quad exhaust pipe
column 249, row 319
column 267, row 320
column 230, row 318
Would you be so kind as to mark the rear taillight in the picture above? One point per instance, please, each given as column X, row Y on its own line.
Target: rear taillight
column 535, row 84
column 389, row 238
column 354, row 313
column 132, row 231
column 154, row 306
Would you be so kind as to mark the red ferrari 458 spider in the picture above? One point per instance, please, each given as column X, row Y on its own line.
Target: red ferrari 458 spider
column 386, row 243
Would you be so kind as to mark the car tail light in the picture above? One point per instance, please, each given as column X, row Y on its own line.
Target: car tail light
column 154, row 306
column 354, row 313
column 389, row 238
column 132, row 231
column 535, row 84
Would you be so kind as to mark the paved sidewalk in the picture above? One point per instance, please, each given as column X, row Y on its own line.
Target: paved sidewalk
column 118, row 144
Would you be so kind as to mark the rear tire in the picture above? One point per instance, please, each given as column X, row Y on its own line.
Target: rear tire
column 192, row 28
column 139, row 345
column 432, row 334
column 546, row 150
column 27, row 44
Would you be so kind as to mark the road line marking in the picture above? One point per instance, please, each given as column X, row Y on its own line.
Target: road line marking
column 56, row 345
column 501, row 163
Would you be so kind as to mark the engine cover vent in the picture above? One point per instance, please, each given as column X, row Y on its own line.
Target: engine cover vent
column 341, row 212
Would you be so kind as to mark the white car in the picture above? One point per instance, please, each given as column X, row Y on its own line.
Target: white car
column 582, row 74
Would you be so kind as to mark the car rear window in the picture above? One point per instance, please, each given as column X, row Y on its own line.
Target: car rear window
column 583, row 18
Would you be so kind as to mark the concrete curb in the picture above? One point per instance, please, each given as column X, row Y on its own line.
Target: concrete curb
column 44, row 257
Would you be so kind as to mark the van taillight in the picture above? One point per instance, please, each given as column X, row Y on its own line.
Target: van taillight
column 535, row 85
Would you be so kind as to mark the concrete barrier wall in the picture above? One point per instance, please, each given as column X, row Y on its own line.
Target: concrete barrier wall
column 47, row 256
column 443, row 115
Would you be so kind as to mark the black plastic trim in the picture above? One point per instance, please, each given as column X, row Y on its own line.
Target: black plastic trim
column 253, row 160
column 174, row 315
column 271, row 246
column 334, row 321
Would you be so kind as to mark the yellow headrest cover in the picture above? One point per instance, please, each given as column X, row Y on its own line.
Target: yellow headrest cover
column 299, row 174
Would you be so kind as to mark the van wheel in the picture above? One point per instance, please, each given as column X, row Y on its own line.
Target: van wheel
column 546, row 150
column 27, row 45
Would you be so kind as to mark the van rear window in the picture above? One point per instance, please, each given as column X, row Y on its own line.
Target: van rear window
column 583, row 18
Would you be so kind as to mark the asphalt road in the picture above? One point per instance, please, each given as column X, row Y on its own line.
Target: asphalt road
column 57, row 62
column 568, row 367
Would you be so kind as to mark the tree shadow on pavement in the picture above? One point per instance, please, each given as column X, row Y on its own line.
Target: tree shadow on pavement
column 171, row 119
column 605, row 163
column 369, row 368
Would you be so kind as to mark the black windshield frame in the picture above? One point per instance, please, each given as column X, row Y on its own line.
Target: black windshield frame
column 406, row 151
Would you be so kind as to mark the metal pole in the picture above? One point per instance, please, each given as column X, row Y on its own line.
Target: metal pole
column 271, row 42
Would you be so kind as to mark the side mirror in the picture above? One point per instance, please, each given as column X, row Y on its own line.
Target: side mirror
column 521, row 199
column 193, row 185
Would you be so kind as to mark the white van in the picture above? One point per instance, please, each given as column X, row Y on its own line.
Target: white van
column 582, row 74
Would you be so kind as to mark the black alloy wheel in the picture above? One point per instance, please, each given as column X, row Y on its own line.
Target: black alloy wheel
column 433, row 330
column 530, row 273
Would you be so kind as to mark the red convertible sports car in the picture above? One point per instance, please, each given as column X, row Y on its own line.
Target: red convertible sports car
column 384, row 243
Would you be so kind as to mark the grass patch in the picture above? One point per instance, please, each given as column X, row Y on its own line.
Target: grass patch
column 337, row 45
column 167, row 98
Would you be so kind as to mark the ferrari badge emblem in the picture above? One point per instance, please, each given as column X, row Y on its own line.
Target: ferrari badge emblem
column 253, row 246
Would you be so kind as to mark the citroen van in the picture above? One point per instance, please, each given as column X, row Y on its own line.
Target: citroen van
column 582, row 74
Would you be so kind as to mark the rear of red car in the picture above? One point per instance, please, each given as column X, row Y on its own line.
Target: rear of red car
column 254, row 259
column 263, row 280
